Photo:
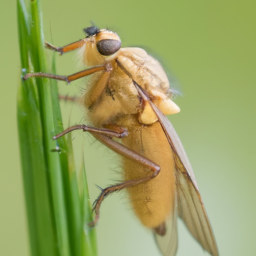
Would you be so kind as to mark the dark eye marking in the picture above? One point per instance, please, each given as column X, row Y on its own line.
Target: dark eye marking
column 90, row 31
column 108, row 47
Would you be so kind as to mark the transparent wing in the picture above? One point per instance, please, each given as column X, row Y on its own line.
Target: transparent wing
column 190, row 205
column 168, row 243
column 192, row 212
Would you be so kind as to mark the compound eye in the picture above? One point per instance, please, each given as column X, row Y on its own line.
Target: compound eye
column 108, row 47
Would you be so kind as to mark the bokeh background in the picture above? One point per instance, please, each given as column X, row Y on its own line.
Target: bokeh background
column 209, row 48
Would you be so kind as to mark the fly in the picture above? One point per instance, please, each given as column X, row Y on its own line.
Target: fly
column 157, row 173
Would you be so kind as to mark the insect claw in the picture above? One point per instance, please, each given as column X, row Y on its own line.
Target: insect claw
column 91, row 224
column 94, row 222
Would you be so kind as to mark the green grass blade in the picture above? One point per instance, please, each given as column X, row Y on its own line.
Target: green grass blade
column 55, row 213
column 88, row 234
column 47, row 93
column 33, row 165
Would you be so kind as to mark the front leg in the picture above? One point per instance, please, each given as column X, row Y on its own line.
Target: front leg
column 66, row 48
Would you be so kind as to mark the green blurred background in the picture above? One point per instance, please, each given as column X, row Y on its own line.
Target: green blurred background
column 209, row 46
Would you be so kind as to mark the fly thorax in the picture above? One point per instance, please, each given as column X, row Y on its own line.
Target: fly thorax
column 150, row 76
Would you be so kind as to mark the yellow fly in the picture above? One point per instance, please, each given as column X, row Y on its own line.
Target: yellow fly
column 128, row 97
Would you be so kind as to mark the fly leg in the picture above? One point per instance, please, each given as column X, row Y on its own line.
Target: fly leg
column 105, row 137
column 68, row 98
column 93, row 93
column 126, row 152
column 117, row 132
column 72, row 77
column 66, row 48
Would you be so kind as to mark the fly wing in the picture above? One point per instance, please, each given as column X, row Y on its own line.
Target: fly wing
column 168, row 243
column 190, row 205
